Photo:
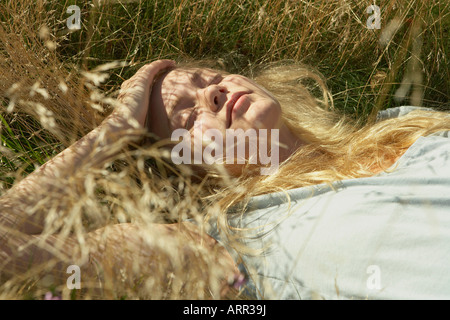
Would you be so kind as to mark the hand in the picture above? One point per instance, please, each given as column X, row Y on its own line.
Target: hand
column 134, row 96
column 160, row 251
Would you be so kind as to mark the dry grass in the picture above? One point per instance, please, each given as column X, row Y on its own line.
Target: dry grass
column 52, row 92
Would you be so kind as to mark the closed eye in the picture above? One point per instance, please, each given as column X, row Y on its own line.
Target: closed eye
column 216, row 79
column 192, row 116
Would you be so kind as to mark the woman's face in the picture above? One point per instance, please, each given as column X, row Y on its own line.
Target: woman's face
column 217, row 101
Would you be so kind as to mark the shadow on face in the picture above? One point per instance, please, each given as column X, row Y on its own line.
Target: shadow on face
column 194, row 103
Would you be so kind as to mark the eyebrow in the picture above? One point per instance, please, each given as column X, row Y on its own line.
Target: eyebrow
column 194, row 78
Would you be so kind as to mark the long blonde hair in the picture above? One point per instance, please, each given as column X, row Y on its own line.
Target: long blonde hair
column 339, row 147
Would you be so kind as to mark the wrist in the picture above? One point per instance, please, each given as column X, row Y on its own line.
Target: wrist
column 116, row 128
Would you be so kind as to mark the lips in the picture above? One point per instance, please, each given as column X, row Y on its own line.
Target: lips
column 231, row 103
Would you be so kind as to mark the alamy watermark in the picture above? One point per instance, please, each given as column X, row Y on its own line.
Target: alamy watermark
column 74, row 21
column 374, row 21
column 374, row 280
column 250, row 146
column 74, row 281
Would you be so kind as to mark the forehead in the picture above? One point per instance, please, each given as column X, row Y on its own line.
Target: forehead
column 186, row 76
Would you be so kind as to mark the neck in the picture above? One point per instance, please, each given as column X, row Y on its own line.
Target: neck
column 289, row 143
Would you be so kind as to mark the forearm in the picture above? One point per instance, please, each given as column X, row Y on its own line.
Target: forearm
column 18, row 205
column 124, row 254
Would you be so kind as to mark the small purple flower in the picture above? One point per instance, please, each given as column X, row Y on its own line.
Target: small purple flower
column 49, row 296
column 239, row 281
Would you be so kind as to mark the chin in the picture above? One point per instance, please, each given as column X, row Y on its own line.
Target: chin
column 264, row 115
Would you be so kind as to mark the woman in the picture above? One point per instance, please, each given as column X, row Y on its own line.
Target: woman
column 27, row 241
column 288, row 231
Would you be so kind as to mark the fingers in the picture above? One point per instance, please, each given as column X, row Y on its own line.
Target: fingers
column 135, row 92
column 151, row 69
column 146, row 74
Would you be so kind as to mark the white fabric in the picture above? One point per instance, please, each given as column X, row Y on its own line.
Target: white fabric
column 383, row 237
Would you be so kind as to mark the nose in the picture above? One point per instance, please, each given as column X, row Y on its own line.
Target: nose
column 213, row 97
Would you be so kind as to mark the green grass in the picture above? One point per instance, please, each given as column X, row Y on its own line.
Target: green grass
column 239, row 35
column 26, row 149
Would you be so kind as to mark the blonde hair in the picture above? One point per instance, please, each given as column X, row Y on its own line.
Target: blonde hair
column 339, row 147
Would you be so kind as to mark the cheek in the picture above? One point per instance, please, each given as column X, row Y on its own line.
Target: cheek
column 209, row 120
column 264, row 114
column 204, row 127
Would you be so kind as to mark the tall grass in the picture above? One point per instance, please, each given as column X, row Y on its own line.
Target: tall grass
column 48, row 101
